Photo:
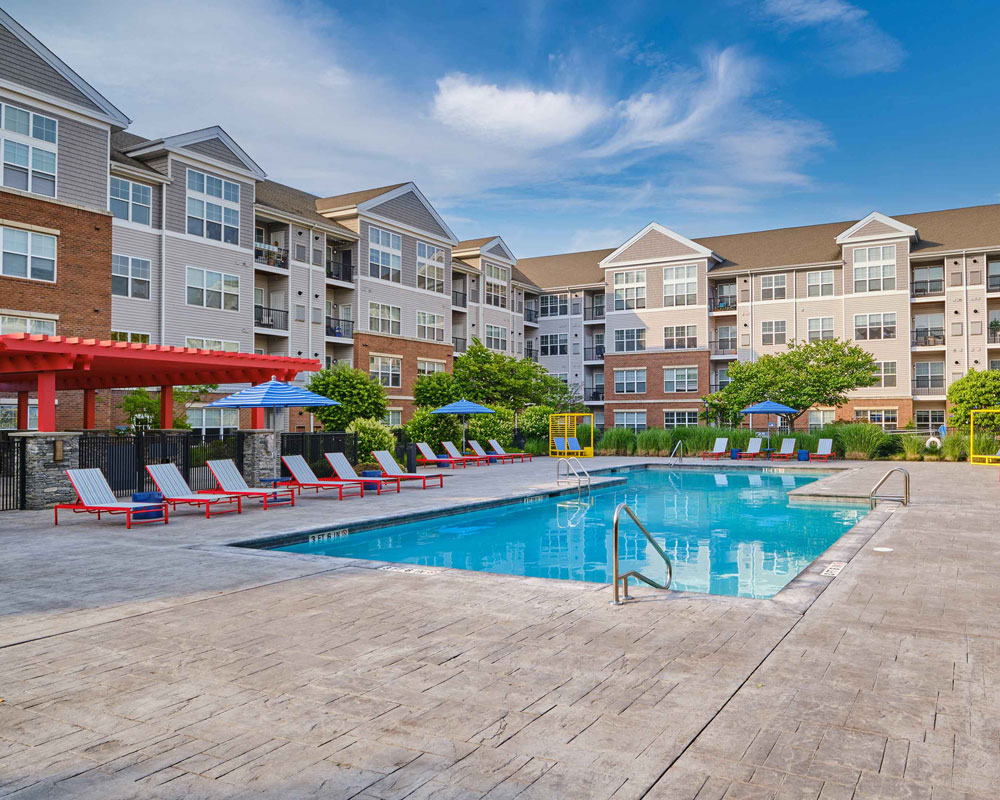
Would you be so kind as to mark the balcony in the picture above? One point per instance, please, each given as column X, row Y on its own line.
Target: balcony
column 460, row 346
column 531, row 354
column 993, row 337
column 339, row 271
column 929, row 386
column 593, row 313
column 593, row 395
column 993, row 283
column 531, row 315
column 340, row 328
column 458, row 298
column 270, row 256
column 723, row 303
column 723, row 347
column 593, row 353
column 928, row 337
column 930, row 288
column 270, row 318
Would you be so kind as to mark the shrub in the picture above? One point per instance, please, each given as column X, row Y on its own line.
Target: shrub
column 424, row 426
column 913, row 446
column 533, row 422
column 537, row 446
column 359, row 396
column 583, row 433
column 860, row 439
column 498, row 425
column 984, row 443
column 617, row 442
column 372, row 435
column 955, row 446
column 363, row 465
column 647, row 442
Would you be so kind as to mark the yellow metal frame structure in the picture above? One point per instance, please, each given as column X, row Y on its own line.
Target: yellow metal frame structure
column 564, row 426
column 982, row 458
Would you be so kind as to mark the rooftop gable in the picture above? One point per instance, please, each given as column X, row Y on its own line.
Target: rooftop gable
column 656, row 243
column 487, row 246
column 876, row 226
column 212, row 143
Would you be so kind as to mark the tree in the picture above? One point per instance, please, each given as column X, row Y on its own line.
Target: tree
column 359, row 396
column 805, row 375
column 975, row 390
column 486, row 377
column 435, row 390
column 142, row 407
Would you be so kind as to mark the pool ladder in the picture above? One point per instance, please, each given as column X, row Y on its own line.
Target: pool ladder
column 580, row 475
column 680, row 456
column 873, row 498
column 620, row 594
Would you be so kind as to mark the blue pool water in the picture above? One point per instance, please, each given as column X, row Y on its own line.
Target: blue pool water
column 726, row 532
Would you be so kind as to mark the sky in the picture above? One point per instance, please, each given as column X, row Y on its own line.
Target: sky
column 570, row 126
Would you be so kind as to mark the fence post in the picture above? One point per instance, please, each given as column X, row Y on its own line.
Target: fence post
column 48, row 483
column 188, row 444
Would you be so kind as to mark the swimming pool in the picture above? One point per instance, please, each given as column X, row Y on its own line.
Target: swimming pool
column 727, row 532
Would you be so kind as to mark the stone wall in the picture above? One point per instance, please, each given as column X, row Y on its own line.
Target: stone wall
column 261, row 456
column 46, row 483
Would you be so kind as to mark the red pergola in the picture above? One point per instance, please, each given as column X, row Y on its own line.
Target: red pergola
column 47, row 364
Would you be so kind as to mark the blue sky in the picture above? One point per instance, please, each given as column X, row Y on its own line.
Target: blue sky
column 565, row 126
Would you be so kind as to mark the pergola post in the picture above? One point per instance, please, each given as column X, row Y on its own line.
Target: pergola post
column 257, row 419
column 89, row 409
column 46, row 401
column 22, row 411
column 166, row 407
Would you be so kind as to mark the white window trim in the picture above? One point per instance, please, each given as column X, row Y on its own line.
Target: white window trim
column 674, row 368
column 31, row 234
column 205, row 339
column 31, row 142
column 29, row 318
column 131, row 204
column 391, row 308
column 130, row 334
column 783, row 277
column 634, row 279
column 499, row 283
column 204, row 197
column 625, row 338
column 674, row 283
column 427, row 263
column 833, row 328
column 487, row 336
column 436, row 328
column 635, row 380
column 881, row 264
column 130, row 277
column 224, row 276
column 822, row 283
column 392, row 251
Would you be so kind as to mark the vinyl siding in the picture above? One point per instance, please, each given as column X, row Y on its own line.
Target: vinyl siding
column 497, row 250
column 177, row 200
column 654, row 245
column 876, row 228
column 408, row 209
column 131, row 314
column 21, row 65
column 216, row 148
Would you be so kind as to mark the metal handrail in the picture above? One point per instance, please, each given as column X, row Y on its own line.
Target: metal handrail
column 615, row 577
column 678, row 446
column 904, row 499
column 579, row 473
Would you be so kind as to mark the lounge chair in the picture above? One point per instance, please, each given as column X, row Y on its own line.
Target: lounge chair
column 719, row 450
column 501, row 452
column 568, row 447
column 94, row 496
column 391, row 469
column 753, row 449
column 478, row 450
column 428, row 456
column 824, row 451
column 304, row 478
column 175, row 491
column 345, row 472
column 787, row 450
column 231, row 482
column 453, row 452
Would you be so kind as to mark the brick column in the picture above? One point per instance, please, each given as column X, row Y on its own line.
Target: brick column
column 45, row 479
column 261, row 455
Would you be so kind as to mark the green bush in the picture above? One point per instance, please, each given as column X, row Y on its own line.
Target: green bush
column 533, row 422
column 583, row 434
column 424, row 426
column 803, row 441
column 984, row 443
column 617, row 442
column 955, row 446
column 372, row 435
column 913, row 446
column 537, row 446
column 861, row 440
column 498, row 425
column 647, row 442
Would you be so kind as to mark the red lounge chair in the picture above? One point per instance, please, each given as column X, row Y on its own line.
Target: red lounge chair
column 94, row 496
column 478, row 450
column 786, row 452
column 824, row 451
column 345, row 472
column 501, row 452
column 453, row 452
column 231, row 482
column 391, row 469
column 174, row 488
column 719, row 451
column 753, row 449
column 304, row 478
column 429, row 458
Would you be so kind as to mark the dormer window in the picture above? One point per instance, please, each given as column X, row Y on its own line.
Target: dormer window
column 213, row 207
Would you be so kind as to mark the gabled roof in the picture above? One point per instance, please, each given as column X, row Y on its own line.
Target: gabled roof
column 876, row 226
column 692, row 249
column 486, row 247
column 182, row 140
column 565, row 269
column 122, row 140
column 110, row 112
column 353, row 199
column 278, row 196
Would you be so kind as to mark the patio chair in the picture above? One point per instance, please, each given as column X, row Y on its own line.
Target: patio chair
column 824, row 451
column 428, row 456
column 175, row 490
column 231, row 482
column 479, row 451
column 787, row 450
column 94, row 496
column 453, row 452
column 391, row 469
column 753, row 449
column 719, row 450
column 501, row 452
column 345, row 472
column 304, row 478
column 567, row 447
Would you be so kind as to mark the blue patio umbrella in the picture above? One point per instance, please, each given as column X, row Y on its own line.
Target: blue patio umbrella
column 463, row 408
column 768, row 407
column 273, row 394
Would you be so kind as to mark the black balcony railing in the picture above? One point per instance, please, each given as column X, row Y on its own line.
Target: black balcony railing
column 928, row 337
column 993, row 337
column 993, row 283
column 925, row 386
column 927, row 288
column 339, row 271
column 270, row 256
column 725, row 303
column 530, row 314
column 458, row 298
column 593, row 353
column 593, row 312
column 531, row 354
column 341, row 328
column 273, row 318
column 724, row 347
column 459, row 344
column 593, row 395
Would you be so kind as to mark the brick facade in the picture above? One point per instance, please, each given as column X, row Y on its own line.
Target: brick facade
column 654, row 401
column 409, row 351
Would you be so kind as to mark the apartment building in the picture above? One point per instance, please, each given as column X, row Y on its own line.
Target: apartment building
column 921, row 292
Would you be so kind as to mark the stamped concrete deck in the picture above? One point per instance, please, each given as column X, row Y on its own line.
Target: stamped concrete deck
column 154, row 663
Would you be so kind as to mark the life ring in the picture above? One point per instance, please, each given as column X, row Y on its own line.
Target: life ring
column 932, row 443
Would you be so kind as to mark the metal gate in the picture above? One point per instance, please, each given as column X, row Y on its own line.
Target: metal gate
column 12, row 473
column 312, row 446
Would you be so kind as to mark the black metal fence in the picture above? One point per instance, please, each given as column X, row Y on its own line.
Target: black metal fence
column 312, row 446
column 123, row 459
column 12, row 473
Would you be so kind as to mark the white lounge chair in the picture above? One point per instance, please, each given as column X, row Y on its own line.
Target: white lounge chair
column 787, row 450
column 453, row 452
column 429, row 457
column 175, row 490
column 501, row 452
column 753, row 449
column 479, row 451
column 824, row 451
column 94, row 496
column 231, row 482
column 392, row 470
column 345, row 472
column 303, row 477
column 719, row 450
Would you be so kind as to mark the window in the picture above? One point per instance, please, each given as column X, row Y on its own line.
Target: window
column 680, row 286
column 995, row 363
column 131, row 201
column 386, row 370
column 869, row 327
column 496, row 285
column 886, row 417
column 212, row 344
column 680, row 419
column 393, row 417
column 560, row 376
column 722, row 379
column 930, row 417
column 14, row 324
column 385, row 255
column 772, row 332
column 383, row 318
column 425, row 367
column 553, row 344
column 928, row 329
column 725, row 296
column 875, row 268
column 130, row 277
column 726, row 338
column 213, row 421
column 28, row 164
column 430, row 268
column 680, row 379
column 634, row 420
column 993, row 276
column 213, row 289
column 630, row 290
column 630, row 381
column 928, row 280
column 680, row 337
column 772, row 287
column 820, row 328
column 496, row 337
column 885, row 371
column 8, row 415
column 630, row 340
column 129, row 336
column 820, row 418
column 553, row 305
column 430, row 326
column 28, row 255
column 928, row 375
column 819, row 284
column 213, row 207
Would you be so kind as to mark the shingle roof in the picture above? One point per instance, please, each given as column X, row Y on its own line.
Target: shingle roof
column 353, row 198
column 565, row 269
column 294, row 201
column 471, row 244
column 123, row 140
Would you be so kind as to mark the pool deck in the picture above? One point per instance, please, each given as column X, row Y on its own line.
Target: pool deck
column 158, row 663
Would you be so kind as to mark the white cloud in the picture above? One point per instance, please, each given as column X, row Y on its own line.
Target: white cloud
column 857, row 44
